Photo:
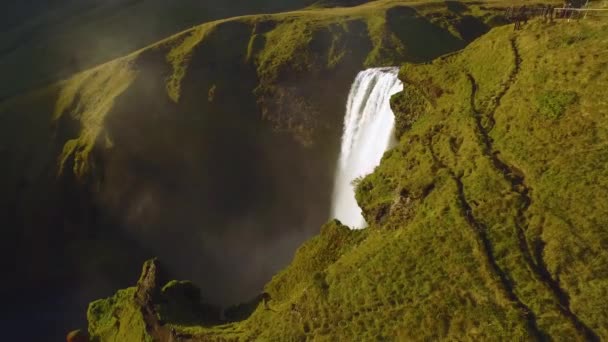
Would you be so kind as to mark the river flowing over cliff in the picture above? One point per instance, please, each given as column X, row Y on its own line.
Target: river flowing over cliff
column 368, row 128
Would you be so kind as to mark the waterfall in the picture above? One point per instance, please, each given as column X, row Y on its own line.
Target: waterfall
column 368, row 132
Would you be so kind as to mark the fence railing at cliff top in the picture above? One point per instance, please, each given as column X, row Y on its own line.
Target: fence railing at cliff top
column 573, row 13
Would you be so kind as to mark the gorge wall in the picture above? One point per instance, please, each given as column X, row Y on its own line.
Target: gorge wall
column 56, row 39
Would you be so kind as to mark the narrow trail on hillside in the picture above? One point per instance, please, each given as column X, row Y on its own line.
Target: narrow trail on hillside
column 505, row 89
column 480, row 231
column 518, row 185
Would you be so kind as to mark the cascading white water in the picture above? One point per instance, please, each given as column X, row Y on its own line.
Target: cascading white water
column 368, row 132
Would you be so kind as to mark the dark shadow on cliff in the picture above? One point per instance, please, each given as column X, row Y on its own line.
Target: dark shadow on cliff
column 241, row 312
column 57, row 250
column 456, row 6
column 426, row 40
column 471, row 28
column 408, row 26
column 213, row 189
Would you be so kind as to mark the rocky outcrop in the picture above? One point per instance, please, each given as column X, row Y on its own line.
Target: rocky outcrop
column 154, row 302
column 147, row 295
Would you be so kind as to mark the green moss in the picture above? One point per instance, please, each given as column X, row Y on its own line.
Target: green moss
column 283, row 44
column 312, row 258
column 553, row 104
column 486, row 136
column 86, row 99
column 179, row 57
column 117, row 318
column 410, row 104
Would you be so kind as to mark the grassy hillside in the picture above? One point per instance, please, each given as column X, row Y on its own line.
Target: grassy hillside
column 487, row 220
column 44, row 41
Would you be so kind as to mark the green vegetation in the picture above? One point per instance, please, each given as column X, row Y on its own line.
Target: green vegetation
column 487, row 219
column 87, row 98
column 117, row 318
column 553, row 104
column 507, row 170
column 180, row 55
column 81, row 155
column 300, row 45
column 312, row 259
column 47, row 42
column 486, row 222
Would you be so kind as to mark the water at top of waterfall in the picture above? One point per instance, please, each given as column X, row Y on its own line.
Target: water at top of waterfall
column 368, row 132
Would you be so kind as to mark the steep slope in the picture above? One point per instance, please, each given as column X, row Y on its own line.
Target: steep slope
column 43, row 41
column 188, row 150
column 488, row 219
column 502, row 124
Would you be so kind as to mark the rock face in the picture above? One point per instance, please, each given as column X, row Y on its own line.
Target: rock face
column 154, row 304
column 149, row 283
column 114, row 318
column 177, row 302
column 147, row 295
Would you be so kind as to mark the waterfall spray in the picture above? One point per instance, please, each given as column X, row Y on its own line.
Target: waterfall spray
column 368, row 132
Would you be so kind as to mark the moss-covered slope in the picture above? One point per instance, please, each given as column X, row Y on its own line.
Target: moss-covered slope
column 488, row 220
column 514, row 126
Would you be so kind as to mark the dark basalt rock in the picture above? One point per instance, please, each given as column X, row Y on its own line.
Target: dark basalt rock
column 177, row 302
column 149, row 283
